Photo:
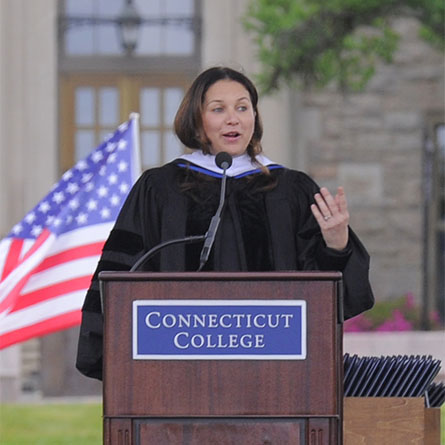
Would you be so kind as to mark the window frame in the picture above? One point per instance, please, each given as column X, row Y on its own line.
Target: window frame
column 131, row 63
column 433, row 221
column 128, row 86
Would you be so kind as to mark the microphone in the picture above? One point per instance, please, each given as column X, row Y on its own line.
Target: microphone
column 223, row 160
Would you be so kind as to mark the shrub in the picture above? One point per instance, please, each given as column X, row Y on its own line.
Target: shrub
column 399, row 314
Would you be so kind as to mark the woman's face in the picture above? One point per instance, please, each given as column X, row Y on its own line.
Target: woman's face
column 228, row 117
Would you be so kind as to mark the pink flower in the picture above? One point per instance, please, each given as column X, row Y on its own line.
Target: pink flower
column 410, row 301
column 357, row 324
column 396, row 323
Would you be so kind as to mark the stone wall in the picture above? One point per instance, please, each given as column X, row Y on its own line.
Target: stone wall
column 28, row 140
column 372, row 143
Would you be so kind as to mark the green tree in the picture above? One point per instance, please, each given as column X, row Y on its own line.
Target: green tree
column 323, row 41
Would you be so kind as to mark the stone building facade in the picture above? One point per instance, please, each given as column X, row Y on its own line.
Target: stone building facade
column 370, row 142
column 373, row 143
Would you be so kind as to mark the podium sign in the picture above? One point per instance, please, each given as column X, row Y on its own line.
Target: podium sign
column 219, row 330
column 222, row 358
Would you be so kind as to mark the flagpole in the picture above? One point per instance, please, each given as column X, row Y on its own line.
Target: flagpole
column 137, row 168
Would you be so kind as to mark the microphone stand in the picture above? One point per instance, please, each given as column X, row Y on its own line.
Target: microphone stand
column 144, row 258
column 223, row 160
column 214, row 223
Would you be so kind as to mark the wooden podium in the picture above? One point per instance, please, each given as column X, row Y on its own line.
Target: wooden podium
column 224, row 401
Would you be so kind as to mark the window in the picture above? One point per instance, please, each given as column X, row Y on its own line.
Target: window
column 100, row 84
column 93, row 106
column 168, row 27
column 158, row 105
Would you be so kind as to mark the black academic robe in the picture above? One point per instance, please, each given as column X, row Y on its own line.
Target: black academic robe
column 266, row 224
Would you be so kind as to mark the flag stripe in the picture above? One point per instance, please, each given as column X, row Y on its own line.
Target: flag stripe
column 10, row 287
column 49, row 292
column 77, row 238
column 4, row 251
column 12, row 257
column 10, row 300
column 38, row 243
column 58, row 274
column 28, row 243
column 42, row 311
column 69, row 255
column 49, row 326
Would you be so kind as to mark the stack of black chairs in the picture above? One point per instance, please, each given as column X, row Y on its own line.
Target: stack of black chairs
column 393, row 376
column 435, row 395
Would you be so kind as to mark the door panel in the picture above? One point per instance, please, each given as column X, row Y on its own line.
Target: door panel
column 92, row 106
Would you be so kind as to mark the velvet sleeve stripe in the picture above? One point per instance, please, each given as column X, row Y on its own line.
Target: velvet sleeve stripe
column 89, row 352
column 124, row 241
column 105, row 265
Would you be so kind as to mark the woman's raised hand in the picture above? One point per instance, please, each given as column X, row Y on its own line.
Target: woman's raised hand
column 332, row 216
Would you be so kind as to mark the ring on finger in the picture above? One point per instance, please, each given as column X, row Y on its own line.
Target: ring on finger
column 326, row 218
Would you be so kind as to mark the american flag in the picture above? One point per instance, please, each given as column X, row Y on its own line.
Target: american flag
column 48, row 258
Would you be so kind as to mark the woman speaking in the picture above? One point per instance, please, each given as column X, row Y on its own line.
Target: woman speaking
column 273, row 218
